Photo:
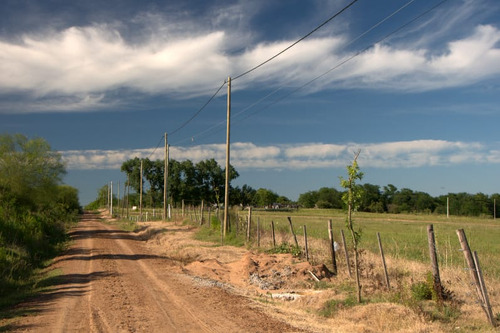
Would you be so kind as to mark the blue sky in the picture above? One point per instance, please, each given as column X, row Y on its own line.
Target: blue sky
column 102, row 82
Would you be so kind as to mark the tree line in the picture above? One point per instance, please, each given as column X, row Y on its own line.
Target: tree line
column 390, row 199
column 35, row 207
column 189, row 182
column 194, row 182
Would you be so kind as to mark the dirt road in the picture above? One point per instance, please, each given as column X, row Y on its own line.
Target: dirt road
column 109, row 281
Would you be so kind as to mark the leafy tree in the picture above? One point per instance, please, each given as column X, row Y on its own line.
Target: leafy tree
column 132, row 169
column 35, row 209
column 308, row 199
column 329, row 197
column 372, row 200
column 29, row 169
column 244, row 195
column 352, row 198
column 264, row 197
column 154, row 173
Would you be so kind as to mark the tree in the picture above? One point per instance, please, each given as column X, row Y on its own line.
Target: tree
column 351, row 199
column 29, row 169
column 264, row 197
column 328, row 197
column 308, row 199
column 132, row 169
column 153, row 173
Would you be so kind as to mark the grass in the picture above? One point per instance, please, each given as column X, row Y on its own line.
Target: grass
column 404, row 236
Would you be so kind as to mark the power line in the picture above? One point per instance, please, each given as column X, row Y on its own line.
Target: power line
column 157, row 146
column 295, row 43
column 354, row 55
column 197, row 112
column 333, row 68
column 263, row 63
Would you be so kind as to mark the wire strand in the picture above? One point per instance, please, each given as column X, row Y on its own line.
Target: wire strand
column 197, row 112
column 296, row 42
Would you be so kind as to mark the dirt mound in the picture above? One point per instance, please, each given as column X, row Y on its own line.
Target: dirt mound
column 260, row 271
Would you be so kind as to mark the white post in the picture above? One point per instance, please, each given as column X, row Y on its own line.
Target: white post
column 111, row 206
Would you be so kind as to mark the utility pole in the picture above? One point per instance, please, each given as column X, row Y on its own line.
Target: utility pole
column 165, row 181
column 447, row 207
column 111, row 205
column 118, row 203
column 228, row 132
column 140, row 197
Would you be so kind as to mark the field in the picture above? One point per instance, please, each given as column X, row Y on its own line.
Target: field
column 404, row 239
column 403, row 236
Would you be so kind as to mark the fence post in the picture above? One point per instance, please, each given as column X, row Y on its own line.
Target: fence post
column 305, row 243
column 484, row 292
column 293, row 232
column 383, row 261
column 438, row 288
column 273, row 234
column 332, row 246
column 346, row 253
column 258, row 231
column 249, row 223
column 201, row 210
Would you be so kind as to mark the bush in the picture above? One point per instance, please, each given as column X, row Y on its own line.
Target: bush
column 421, row 291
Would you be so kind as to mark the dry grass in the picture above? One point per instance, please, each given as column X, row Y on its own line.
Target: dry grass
column 383, row 309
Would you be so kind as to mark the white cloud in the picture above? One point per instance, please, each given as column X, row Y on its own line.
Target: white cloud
column 85, row 63
column 245, row 155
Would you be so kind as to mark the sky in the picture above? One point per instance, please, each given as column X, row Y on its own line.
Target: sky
column 413, row 84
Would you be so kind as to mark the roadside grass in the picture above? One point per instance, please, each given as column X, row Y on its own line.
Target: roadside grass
column 404, row 236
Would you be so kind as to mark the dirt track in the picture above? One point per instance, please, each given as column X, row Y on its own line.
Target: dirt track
column 109, row 281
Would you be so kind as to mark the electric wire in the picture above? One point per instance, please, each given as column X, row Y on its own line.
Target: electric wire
column 157, row 146
column 351, row 57
column 199, row 111
column 263, row 63
column 325, row 73
column 296, row 42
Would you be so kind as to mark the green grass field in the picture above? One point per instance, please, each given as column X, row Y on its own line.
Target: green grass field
column 403, row 236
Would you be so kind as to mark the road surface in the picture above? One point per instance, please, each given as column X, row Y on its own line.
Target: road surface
column 108, row 281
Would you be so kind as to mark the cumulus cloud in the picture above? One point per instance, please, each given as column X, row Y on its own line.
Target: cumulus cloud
column 93, row 60
column 246, row 155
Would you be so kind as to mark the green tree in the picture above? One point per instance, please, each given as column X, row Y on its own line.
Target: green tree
column 264, row 197
column 352, row 198
column 308, row 199
column 132, row 169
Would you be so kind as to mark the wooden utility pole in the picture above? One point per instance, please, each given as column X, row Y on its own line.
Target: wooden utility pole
column 165, row 181
column 118, row 203
column 111, row 205
column 226, row 185
column 494, row 209
column 140, row 197
column 447, row 207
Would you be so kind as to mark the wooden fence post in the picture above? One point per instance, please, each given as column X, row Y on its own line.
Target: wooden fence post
column 249, row 223
column 332, row 246
column 438, row 288
column 305, row 243
column 484, row 292
column 273, row 234
column 258, row 231
column 383, row 261
column 472, row 267
column 201, row 211
column 293, row 232
column 346, row 253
